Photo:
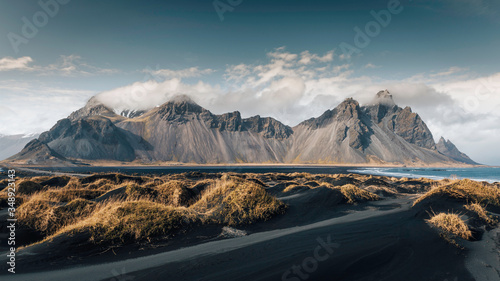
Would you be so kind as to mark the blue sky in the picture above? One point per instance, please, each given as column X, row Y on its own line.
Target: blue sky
column 277, row 58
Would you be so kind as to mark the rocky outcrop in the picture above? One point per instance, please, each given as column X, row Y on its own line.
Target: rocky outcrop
column 403, row 122
column 410, row 126
column 184, row 110
column 268, row 127
column 447, row 148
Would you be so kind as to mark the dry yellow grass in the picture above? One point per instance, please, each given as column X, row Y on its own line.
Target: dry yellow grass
column 28, row 187
column 172, row 193
column 156, row 209
column 233, row 201
column 352, row 194
column 47, row 216
column 480, row 212
column 127, row 221
column 451, row 225
column 37, row 213
column 466, row 190
column 355, row 194
column 67, row 195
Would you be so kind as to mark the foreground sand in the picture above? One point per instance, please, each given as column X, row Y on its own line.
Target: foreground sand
column 385, row 239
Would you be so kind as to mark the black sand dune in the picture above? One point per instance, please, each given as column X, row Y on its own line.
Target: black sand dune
column 331, row 230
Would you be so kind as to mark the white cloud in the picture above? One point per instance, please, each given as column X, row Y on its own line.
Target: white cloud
column 34, row 107
column 182, row 73
column 307, row 58
column 9, row 63
column 370, row 66
column 71, row 65
column 450, row 71
column 146, row 95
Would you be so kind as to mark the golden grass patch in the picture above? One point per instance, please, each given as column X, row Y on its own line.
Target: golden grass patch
column 480, row 212
column 157, row 208
column 234, row 201
column 466, row 190
column 355, row 194
column 450, row 225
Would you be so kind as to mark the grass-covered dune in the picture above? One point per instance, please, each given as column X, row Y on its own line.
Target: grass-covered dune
column 115, row 209
column 120, row 209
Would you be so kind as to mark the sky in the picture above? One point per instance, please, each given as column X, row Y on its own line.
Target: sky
column 291, row 60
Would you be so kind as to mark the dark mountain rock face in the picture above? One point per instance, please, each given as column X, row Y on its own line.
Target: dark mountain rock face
column 94, row 137
column 403, row 122
column 37, row 152
column 411, row 127
column 447, row 148
column 183, row 111
column 380, row 132
column 132, row 113
column 183, row 131
column 267, row 127
column 179, row 110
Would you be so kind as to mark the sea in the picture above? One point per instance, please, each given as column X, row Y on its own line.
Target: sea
column 488, row 174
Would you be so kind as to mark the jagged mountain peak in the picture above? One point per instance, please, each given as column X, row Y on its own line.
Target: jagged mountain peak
column 179, row 106
column 348, row 108
column 93, row 107
column 383, row 98
column 178, row 99
column 447, row 148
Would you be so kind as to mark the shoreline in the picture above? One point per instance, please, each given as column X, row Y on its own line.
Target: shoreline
column 367, row 165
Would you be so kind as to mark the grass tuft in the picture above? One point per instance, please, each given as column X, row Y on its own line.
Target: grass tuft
column 451, row 225
column 234, row 201
column 480, row 212
column 354, row 194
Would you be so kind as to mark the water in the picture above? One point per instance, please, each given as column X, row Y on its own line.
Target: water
column 488, row 174
column 203, row 169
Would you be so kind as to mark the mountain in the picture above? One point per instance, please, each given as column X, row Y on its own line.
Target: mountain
column 10, row 145
column 37, row 152
column 182, row 131
column 380, row 132
column 447, row 148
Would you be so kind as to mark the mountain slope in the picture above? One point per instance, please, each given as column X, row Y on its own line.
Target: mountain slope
column 354, row 134
column 447, row 148
column 183, row 131
column 37, row 152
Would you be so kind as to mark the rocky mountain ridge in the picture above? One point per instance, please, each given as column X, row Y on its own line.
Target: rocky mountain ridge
column 183, row 131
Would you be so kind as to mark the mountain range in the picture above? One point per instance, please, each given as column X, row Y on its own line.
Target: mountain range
column 182, row 131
